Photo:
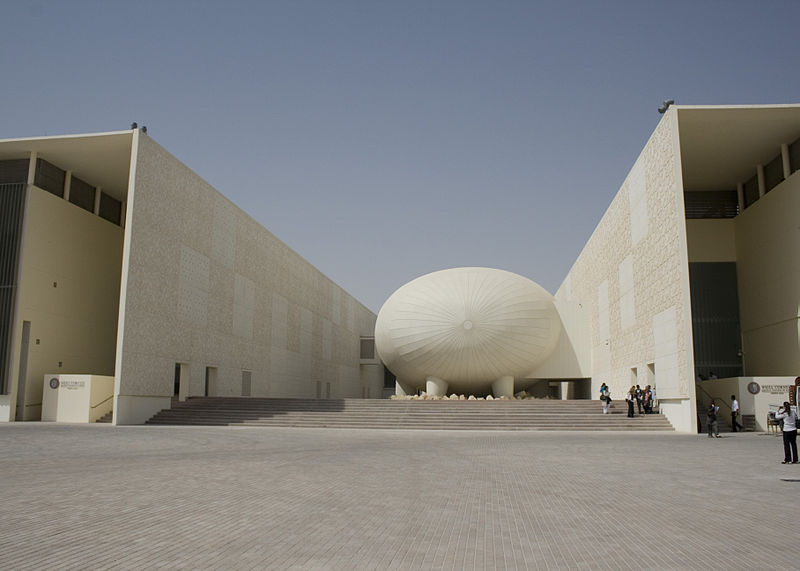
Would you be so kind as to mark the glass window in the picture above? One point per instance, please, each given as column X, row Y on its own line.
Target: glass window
column 110, row 208
column 81, row 194
column 49, row 177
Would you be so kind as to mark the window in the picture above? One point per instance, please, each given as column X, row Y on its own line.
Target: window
column 794, row 156
column 110, row 209
column 246, row 380
column 49, row 177
column 367, row 347
column 750, row 191
column 711, row 204
column 81, row 194
column 773, row 173
column 14, row 171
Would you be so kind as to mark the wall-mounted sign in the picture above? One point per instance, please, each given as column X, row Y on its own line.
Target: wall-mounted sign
column 776, row 389
column 753, row 388
column 54, row 383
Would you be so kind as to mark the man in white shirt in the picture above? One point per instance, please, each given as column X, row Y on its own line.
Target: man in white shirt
column 734, row 414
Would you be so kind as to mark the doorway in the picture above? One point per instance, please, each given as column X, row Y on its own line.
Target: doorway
column 22, row 377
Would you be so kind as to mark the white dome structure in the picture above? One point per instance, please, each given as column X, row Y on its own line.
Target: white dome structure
column 466, row 330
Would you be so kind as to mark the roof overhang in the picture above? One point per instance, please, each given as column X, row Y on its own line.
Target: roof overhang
column 100, row 159
column 722, row 145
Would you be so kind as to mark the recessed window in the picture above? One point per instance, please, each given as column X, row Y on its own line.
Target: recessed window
column 751, row 191
column 81, row 194
column 14, row 171
column 49, row 177
column 110, row 208
column 367, row 347
column 773, row 173
column 711, row 204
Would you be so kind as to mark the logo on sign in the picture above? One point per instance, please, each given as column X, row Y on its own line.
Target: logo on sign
column 753, row 388
column 54, row 383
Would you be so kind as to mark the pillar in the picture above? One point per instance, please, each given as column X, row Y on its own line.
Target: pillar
column 503, row 387
column 740, row 194
column 435, row 387
column 67, row 184
column 787, row 163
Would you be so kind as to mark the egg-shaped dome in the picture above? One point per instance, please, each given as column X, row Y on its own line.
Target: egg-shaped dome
column 467, row 326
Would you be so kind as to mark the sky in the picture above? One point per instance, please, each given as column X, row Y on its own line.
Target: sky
column 386, row 140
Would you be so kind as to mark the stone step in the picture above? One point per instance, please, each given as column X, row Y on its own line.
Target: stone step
column 402, row 414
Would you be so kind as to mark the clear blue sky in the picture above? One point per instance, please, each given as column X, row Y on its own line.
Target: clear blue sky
column 386, row 140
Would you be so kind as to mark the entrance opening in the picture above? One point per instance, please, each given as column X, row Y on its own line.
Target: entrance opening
column 246, row 380
column 23, row 370
column 181, row 386
column 211, row 381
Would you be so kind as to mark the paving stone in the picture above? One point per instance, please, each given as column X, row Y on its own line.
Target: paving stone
column 136, row 497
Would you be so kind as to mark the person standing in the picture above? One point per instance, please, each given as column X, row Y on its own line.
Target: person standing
column 630, row 398
column 789, row 418
column 734, row 413
column 713, row 424
column 605, row 396
column 639, row 399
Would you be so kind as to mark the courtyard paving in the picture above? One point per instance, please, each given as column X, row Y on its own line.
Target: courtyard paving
column 150, row 497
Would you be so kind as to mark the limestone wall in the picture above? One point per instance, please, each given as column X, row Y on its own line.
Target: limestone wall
column 206, row 286
column 768, row 273
column 633, row 275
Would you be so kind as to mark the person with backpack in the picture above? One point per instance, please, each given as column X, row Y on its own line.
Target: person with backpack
column 713, row 424
column 789, row 418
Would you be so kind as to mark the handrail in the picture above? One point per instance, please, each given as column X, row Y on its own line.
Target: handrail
column 715, row 399
column 103, row 402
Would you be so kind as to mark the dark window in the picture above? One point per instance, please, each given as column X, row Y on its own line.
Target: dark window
column 49, row 177
column 367, row 347
column 81, row 194
column 12, row 198
column 794, row 156
column 388, row 379
column 110, row 208
column 715, row 319
column 773, row 173
column 14, row 171
column 246, row 381
column 711, row 203
column 750, row 191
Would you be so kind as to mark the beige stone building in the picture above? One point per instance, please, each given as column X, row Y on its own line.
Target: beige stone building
column 118, row 261
column 694, row 270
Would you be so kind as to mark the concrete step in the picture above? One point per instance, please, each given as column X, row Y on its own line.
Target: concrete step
column 395, row 414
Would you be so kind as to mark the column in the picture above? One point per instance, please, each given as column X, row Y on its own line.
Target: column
column 435, row 387
column 97, row 192
column 787, row 163
column 503, row 387
column 740, row 194
column 32, row 168
column 67, row 184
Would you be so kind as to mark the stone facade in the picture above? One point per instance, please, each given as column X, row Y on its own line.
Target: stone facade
column 206, row 286
column 633, row 273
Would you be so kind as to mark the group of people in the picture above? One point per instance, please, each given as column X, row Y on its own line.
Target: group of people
column 785, row 414
column 643, row 398
column 712, row 420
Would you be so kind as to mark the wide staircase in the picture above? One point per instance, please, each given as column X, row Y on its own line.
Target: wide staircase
column 406, row 414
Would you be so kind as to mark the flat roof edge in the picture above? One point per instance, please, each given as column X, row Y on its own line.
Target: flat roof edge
column 744, row 106
column 71, row 136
